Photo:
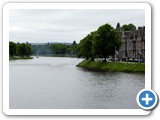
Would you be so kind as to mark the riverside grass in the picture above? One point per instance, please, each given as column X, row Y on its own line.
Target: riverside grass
column 19, row 58
column 128, row 67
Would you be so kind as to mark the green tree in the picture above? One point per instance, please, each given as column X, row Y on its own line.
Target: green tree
column 24, row 50
column 59, row 48
column 105, row 41
column 29, row 50
column 12, row 49
column 21, row 49
column 129, row 27
column 85, row 46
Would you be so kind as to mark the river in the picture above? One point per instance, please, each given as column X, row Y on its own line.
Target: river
column 56, row 83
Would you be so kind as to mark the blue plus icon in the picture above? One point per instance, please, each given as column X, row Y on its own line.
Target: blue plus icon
column 147, row 99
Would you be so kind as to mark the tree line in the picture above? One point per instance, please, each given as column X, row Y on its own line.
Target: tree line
column 55, row 49
column 26, row 49
column 128, row 27
column 22, row 50
column 101, row 43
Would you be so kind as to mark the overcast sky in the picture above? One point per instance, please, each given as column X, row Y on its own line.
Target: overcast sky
column 42, row 26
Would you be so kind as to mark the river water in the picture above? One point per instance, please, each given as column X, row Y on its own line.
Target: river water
column 56, row 83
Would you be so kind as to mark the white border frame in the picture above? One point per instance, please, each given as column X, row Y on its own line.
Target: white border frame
column 9, row 6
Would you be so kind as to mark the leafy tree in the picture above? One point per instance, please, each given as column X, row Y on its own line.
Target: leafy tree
column 69, row 50
column 24, row 50
column 12, row 49
column 85, row 46
column 129, row 27
column 105, row 41
column 59, row 48
column 29, row 50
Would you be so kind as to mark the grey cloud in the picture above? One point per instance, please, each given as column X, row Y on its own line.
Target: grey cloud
column 66, row 25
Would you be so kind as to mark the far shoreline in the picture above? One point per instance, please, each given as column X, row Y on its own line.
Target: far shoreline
column 20, row 58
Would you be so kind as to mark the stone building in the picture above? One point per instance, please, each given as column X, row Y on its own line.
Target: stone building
column 133, row 44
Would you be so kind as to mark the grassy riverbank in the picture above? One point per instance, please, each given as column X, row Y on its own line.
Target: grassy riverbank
column 19, row 58
column 55, row 55
column 113, row 66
